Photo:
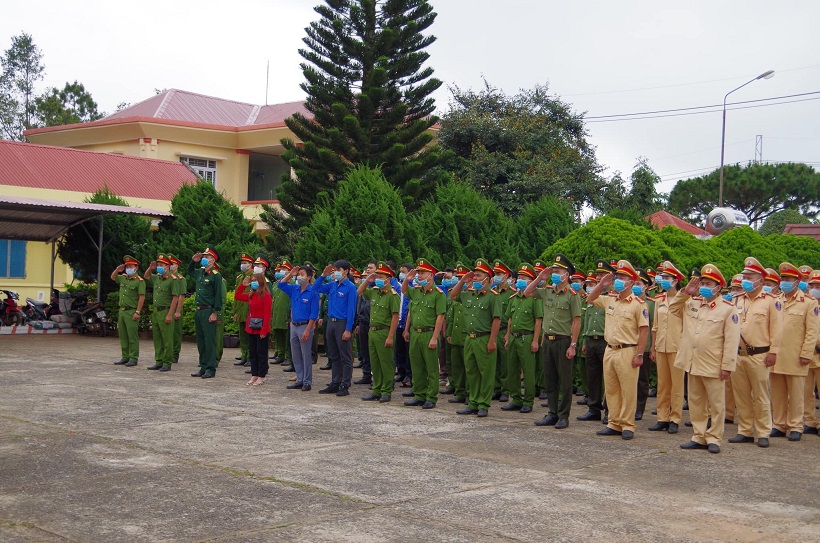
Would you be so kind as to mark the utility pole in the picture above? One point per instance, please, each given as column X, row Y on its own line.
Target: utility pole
column 759, row 149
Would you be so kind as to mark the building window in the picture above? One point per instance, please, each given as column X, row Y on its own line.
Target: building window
column 206, row 169
column 12, row 258
column 264, row 176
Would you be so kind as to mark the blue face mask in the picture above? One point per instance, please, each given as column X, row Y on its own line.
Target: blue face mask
column 619, row 285
column 747, row 285
column 422, row 282
column 666, row 284
column 204, row 262
column 576, row 287
column 769, row 289
column 589, row 290
column 254, row 285
column 521, row 284
column 636, row 290
column 337, row 276
column 280, row 274
column 478, row 285
column 160, row 270
column 496, row 280
column 402, row 276
column 802, row 285
column 450, row 283
column 815, row 293
column 728, row 297
column 380, row 283
column 555, row 278
column 706, row 292
column 130, row 271
column 786, row 286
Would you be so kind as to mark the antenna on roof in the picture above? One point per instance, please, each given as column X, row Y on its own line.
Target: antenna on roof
column 267, row 82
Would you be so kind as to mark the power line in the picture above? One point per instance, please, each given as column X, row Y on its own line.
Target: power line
column 672, row 176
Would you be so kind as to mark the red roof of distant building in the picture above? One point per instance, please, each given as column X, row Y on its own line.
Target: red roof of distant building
column 664, row 218
column 59, row 168
column 175, row 106
column 812, row 230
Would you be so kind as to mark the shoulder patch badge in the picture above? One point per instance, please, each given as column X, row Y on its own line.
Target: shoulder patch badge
column 734, row 319
column 645, row 313
column 816, row 311
column 778, row 306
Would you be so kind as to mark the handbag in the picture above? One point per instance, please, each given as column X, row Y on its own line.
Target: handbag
column 255, row 323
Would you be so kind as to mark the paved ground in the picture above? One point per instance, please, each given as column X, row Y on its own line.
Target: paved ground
column 95, row 452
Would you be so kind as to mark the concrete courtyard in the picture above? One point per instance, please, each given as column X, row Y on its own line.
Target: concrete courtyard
column 95, row 452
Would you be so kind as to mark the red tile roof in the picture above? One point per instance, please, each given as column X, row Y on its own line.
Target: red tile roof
column 664, row 218
column 59, row 168
column 812, row 230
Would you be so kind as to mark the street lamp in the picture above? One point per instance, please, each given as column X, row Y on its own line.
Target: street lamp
column 764, row 75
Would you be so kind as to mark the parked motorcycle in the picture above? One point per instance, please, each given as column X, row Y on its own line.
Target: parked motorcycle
column 11, row 314
column 36, row 310
column 89, row 318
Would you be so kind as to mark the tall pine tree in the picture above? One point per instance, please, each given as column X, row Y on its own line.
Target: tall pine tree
column 370, row 96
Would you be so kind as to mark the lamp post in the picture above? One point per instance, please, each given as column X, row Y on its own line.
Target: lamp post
column 764, row 75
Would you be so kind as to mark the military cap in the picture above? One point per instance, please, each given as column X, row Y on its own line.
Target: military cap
column 500, row 267
column 284, row 265
column 163, row 259
column 263, row 260
column 788, row 269
column 752, row 265
column 805, row 271
column 643, row 275
column 353, row 272
column 422, row 264
column 461, row 269
column 539, row 266
column 737, row 280
column 710, row 271
column 211, row 250
column 659, row 267
column 668, row 268
column 562, row 261
column 383, row 268
column 591, row 276
column 651, row 273
column 626, row 268
column 174, row 260
column 814, row 276
column 483, row 266
column 771, row 275
column 694, row 273
column 245, row 257
column 128, row 259
column 603, row 266
column 527, row 270
column 578, row 275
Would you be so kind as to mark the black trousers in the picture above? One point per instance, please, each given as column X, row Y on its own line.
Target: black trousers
column 340, row 354
column 364, row 348
column 643, row 384
column 558, row 373
column 595, row 373
column 258, row 355
column 401, row 354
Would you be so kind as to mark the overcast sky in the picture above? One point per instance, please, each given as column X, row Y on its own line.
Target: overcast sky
column 603, row 57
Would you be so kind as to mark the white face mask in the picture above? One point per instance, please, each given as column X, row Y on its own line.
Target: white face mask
column 258, row 269
column 244, row 266
column 174, row 268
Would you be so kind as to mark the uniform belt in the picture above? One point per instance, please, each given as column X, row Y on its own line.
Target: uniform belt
column 749, row 351
column 554, row 337
column 426, row 329
column 300, row 323
column 334, row 319
column 622, row 346
column 127, row 308
column 159, row 308
column 204, row 307
column 595, row 337
column 377, row 328
column 477, row 334
column 522, row 333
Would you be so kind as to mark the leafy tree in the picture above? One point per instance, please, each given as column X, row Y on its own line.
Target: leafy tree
column 22, row 65
column 640, row 200
column 776, row 222
column 204, row 217
column 371, row 100
column 459, row 224
column 122, row 234
column 72, row 104
column 518, row 149
column 541, row 224
column 758, row 190
column 359, row 228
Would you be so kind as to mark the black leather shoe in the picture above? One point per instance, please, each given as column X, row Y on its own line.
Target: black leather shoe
column 326, row 366
column 561, row 424
column 659, row 427
column 693, row 446
column 496, row 396
column 247, row 364
column 120, row 362
column 447, row 391
column 407, row 394
column 330, row 389
column 198, row 374
column 605, row 420
column 589, row 415
column 456, row 400
column 248, row 371
column 504, row 398
column 165, row 368
column 398, row 378
column 289, row 369
column 627, row 434
column 653, row 393
column 386, row 398
column 548, row 420
column 727, row 421
column 763, row 442
column 511, row 407
column 740, row 438
column 240, row 363
column 688, row 423
column 413, row 403
column 428, row 405
column 176, row 360
column 371, row 398
column 294, row 386
column 608, row 432
column 686, row 405
column 583, row 401
column 638, row 415
column 481, row 413
column 467, row 411
column 776, row 433
column 673, row 428
column 130, row 364
column 342, row 391
column 305, row 388
column 154, row 367
column 654, row 411
column 809, row 430
column 713, row 448
column 545, row 404
column 208, row 375
column 526, row 409
column 542, row 396
column 363, row 381
column 407, row 383
column 794, row 436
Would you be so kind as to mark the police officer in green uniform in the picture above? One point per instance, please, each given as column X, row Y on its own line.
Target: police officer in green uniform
column 482, row 321
column 524, row 315
column 162, row 317
column 209, row 302
column 501, row 274
column 180, row 288
column 562, row 325
column 132, row 296
column 280, row 320
column 454, row 337
column 240, row 309
column 385, row 304
column 427, row 307
column 219, row 335
column 594, row 346
column 540, row 380
column 579, row 376
column 639, row 289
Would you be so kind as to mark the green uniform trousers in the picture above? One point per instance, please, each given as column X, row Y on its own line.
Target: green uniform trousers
column 381, row 362
column 480, row 368
column 177, row 338
column 128, row 330
column 579, row 373
column 540, row 380
column 281, row 345
column 243, row 342
column 521, row 359
column 424, row 365
column 163, row 337
column 500, row 386
column 458, row 379
column 558, row 373
column 205, row 342
column 219, row 342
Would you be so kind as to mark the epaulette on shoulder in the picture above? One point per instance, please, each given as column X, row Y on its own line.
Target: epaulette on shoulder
column 140, row 278
column 513, row 295
column 640, row 300
column 493, row 291
column 727, row 302
column 393, row 291
column 439, row 289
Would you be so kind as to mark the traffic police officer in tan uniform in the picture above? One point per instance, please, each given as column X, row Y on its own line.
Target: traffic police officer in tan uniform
column 810, row 422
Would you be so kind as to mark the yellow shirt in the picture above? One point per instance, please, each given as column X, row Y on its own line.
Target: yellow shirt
column 710, row 335
column 799, row 337
column 761, row 320
column 624, row 318
column 667, row 328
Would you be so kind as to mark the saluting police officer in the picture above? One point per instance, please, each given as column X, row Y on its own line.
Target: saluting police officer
column 383, row 319
column 165, row 301
column 454, row 319
column 501, row 285
column 594, row 345
column 181, row 287
column 209, row 302
column 810, row 422
column 132, row 297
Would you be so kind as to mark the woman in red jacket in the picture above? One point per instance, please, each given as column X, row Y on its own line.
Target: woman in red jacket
column 258, row 323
